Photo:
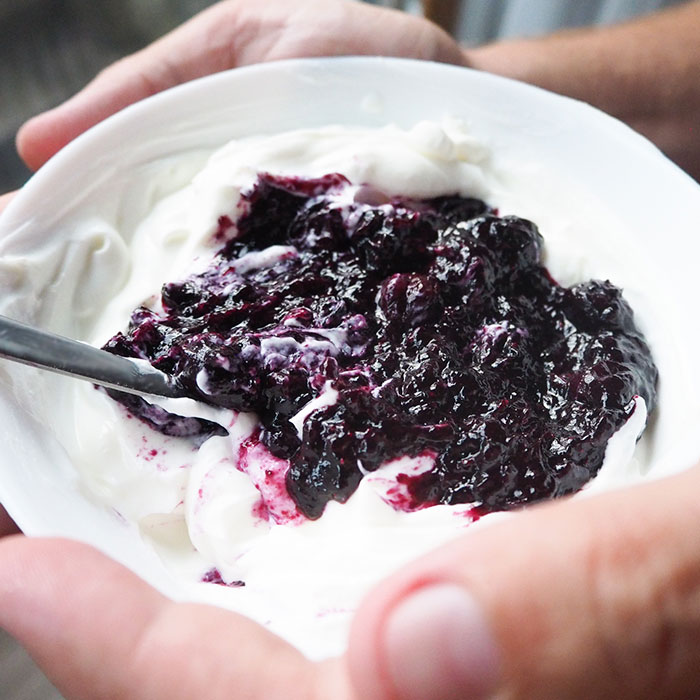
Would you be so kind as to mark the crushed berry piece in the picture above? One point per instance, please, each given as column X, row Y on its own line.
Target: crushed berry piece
column 214, row 576
column 433, row 322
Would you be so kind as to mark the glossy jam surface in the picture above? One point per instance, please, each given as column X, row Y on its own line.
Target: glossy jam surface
column 361, row 329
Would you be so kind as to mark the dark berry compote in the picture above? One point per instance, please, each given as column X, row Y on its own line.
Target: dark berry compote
column 417, row 328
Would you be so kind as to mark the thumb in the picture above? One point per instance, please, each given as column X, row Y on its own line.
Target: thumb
column 100, row 632
column 589, row 598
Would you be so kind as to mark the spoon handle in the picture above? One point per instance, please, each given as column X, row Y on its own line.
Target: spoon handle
column 56, row 353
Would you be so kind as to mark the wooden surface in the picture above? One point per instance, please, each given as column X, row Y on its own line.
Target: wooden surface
column 442, row 12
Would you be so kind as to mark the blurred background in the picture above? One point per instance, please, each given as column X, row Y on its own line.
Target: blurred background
column 49, row 49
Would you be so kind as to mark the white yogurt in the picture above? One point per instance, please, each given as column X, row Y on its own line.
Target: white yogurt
column 202, row 508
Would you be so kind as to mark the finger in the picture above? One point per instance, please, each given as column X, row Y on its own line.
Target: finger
column 589, row 598
column 98, row 632
column 7, row 524
column 227, row 35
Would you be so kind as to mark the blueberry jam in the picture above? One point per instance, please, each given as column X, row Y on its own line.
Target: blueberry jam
column 418, row 328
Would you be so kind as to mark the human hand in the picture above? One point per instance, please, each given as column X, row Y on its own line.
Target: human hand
column 99, row 632
column 587, row 598
column 593, row 597
column 231, row 34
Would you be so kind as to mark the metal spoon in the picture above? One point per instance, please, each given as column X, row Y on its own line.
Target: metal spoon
column 56, row 353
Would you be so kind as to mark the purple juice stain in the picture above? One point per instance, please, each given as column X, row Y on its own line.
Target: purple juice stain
column 435, row 322
column 214, row 576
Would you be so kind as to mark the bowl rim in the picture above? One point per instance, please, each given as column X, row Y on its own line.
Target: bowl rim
column 83, row 144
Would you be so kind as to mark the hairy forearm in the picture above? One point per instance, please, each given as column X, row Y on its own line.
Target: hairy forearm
column 645, row 72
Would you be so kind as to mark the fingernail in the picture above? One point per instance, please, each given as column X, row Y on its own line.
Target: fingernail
column 438, row 645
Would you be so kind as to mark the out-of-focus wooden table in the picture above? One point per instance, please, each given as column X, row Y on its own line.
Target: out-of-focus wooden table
column 442, row 12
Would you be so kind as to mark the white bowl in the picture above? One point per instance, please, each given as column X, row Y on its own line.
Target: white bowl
column 593, row 176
